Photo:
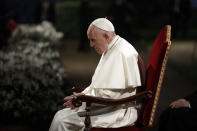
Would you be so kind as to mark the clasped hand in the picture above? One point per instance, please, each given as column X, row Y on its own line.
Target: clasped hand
column 68, row 99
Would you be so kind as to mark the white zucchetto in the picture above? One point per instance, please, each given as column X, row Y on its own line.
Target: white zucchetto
column 104, row 24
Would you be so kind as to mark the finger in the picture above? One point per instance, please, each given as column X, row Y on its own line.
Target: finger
column 70, row 105
column 74, row 93
column 78, row 94
column 68, row 98
column 67, row 104
column 173, row 105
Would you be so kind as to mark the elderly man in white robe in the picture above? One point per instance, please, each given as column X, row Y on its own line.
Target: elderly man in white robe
column 116, row 76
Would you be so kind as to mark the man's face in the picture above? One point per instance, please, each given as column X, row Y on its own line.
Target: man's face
column 98, row 40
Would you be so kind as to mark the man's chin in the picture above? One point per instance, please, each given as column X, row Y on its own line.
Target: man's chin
column 99, row 52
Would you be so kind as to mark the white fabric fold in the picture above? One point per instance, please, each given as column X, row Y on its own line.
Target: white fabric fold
column 118, row 67
column 116, row 76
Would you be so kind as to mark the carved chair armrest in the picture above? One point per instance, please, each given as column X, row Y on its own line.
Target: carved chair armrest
column 77, row 101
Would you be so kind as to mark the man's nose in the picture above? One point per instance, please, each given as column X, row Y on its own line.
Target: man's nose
column 91, row 44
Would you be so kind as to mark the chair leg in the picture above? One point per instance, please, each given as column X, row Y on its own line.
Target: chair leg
column 87, row 117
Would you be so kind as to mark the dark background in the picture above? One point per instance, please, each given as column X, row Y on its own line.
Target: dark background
column 151, row 16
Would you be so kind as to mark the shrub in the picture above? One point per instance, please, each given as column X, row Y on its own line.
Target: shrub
column 32, row 80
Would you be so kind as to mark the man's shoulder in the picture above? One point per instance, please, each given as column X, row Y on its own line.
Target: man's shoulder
column 125, row 48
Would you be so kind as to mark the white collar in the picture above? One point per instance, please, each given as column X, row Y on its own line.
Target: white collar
column 113, row 42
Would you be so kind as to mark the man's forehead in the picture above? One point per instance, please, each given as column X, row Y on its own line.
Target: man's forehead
column 92, row 31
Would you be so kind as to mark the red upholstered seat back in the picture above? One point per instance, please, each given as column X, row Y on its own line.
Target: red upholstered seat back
column 154, row 74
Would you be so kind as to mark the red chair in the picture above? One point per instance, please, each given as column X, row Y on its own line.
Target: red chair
column 149, row 97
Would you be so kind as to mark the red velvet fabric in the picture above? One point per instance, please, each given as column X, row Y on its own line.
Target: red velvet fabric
column 153, row 70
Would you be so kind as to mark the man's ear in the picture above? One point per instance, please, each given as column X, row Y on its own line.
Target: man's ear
column 106, row 36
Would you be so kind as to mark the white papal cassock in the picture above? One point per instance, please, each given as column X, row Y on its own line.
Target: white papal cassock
column 116, row 76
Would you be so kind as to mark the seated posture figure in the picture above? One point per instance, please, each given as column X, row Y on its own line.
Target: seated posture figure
column 116, row 76
column 181, row 115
